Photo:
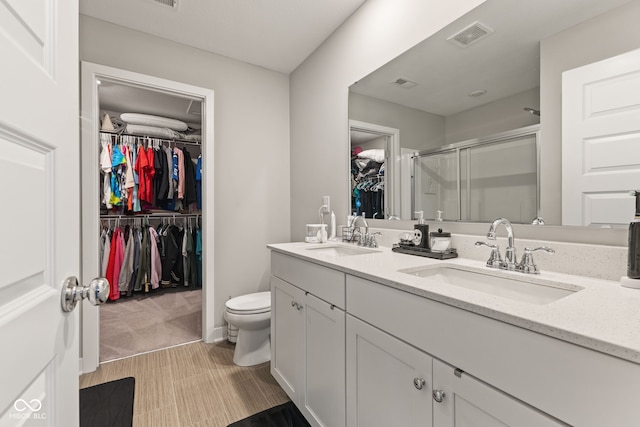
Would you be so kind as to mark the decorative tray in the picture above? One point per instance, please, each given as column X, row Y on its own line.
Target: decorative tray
column 415, row 250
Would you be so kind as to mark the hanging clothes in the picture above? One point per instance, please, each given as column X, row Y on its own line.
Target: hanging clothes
column 105, row 169
column 172, row 264
column 155, row 261
column 199, row 183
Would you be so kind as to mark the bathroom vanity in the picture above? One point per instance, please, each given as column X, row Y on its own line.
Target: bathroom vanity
column 368, row 337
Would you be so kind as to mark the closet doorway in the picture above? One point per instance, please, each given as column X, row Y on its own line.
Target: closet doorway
column 95, row 217
column 374, row 190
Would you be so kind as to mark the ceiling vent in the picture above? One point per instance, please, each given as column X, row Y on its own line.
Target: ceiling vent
column 471, row 34
column 170, row 3
column 404, row 82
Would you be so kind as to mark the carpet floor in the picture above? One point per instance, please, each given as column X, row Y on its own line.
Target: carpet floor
column 147, row 322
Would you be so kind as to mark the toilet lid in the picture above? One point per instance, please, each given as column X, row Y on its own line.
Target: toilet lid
column 251, row 303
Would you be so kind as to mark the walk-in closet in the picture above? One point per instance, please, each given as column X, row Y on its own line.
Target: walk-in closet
column 151, row 214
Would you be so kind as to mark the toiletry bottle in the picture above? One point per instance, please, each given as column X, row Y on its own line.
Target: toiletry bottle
column 633, row 260
column 422, row 226
column 332, row 221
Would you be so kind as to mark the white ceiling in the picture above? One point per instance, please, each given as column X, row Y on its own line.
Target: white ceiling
column 505, row 63
column 275, row 34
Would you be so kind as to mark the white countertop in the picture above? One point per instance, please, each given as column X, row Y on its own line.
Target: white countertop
column 602, row 316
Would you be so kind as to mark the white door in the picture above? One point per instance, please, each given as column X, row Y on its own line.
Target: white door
column 388, row 381
column 601, row 141
column 287, row 335
column 462, row 401
column 40, row 215
column 324, row 364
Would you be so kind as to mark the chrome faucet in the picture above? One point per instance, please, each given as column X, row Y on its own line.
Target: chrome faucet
column 510, row 260
column 362, row 238
column 526, row 265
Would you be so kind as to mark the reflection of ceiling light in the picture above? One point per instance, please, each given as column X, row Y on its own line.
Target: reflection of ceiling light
column 404, row 82
column 98, row 82
column 477, row 93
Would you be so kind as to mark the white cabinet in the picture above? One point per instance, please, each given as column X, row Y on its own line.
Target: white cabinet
column 308, row 339
column 388, row 381
column 287, row 323
column 391, row 383
column 463, row 401
column 350, row 351
column 323, row 395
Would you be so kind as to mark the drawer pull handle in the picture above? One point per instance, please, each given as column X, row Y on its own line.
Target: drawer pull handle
column 419, row 383
column 438, row 395
column 296, row 305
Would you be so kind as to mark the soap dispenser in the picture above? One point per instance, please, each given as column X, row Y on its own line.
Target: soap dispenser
column 421, row 230
column 633, row 260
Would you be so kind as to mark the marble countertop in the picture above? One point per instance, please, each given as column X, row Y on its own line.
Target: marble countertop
column 602, row 315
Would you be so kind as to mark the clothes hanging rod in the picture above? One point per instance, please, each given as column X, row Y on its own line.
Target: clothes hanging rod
column 175, row 141
column 152, row 215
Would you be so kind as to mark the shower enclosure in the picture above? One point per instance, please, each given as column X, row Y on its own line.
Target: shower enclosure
column 480, row 179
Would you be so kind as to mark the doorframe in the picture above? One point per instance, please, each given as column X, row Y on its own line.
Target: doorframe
column 90, row 126
column 392, row 167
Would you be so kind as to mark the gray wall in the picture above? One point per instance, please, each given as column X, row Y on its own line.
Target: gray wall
column 378, row 32
column 418, row 130
column 251, row 171
column 498, row 116
column 602, row 37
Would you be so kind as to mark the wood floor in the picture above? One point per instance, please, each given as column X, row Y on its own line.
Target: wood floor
column 195, row 384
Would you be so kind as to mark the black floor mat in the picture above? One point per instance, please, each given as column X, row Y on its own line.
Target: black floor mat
column 109, row 404
column 285, row 415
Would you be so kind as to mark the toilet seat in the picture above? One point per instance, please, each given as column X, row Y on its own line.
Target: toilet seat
column 256, row 303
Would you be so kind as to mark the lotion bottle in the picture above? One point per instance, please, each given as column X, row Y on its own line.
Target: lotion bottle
column 422, row 233
column 332, row 222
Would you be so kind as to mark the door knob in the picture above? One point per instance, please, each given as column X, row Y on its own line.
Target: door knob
column 438, row 395
column 97, row 292
column 419, row 383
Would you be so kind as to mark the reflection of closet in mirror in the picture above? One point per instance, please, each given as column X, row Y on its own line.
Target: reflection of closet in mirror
column 471, row 181
column 373, row 149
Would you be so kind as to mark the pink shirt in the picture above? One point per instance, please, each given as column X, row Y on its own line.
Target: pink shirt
column 180, row 172
column 156, row 262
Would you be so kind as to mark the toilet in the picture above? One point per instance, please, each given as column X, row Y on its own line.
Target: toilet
column 251, row 315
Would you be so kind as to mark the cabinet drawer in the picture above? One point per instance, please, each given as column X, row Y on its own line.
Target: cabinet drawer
column 323, row 282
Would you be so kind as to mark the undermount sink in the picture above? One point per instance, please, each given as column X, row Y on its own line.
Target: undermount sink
column 521, row 289
column 336, row 250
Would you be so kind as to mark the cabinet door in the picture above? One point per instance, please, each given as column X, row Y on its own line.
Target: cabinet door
column 287, row 322
column 388, row 381
column 323, row 401
column 468, row 402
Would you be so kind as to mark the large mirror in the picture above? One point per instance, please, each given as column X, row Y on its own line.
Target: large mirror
column 494, row 73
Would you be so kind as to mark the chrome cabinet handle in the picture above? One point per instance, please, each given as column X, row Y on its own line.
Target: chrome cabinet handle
column 438, row 395
column 296, row 305
column 97, row 292
column 419, row 383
